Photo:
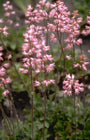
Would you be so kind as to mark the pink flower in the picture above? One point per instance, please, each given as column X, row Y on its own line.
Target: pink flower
column 6, row 65
column 5, row 31
column 13, row 12
column 1, row 48
column 9, row 56
column 52, row 81
column 37, row 71
column 1, row 54
column 47, row 57
column 79, row 41
column 88, row 51
column 52, row 13
column 1, row 59
column 48, row 82
column 71, row 84
column 10, row 21
column 88, row 86
column 68, row 57
column 42, row 2
column 50, row 67
column 7, row 14
column 37, row 83
column 84, row 67
column 8, row 80
column 23, row 70
column 86, row 31
column 1, row 20
column 78, row 104
column 17, row 24
column 53, row 38
column 79, row 20
column 10, row 7
column 2, row 71
column 48, row 4
column 76, row 65
column 69, row 46
column 5, row 93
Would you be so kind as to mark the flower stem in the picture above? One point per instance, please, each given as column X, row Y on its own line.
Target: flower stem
column 31, row 78
column 32, row 117
column 45, row 103
column 75, row 117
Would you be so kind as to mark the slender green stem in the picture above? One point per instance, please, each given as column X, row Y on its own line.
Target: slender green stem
column 75, row 117
column 63, row 102
column 32, row 119
column 45, row 103
column 62, row 49
column 31, row 78
column 74, row 52
column 84, row 113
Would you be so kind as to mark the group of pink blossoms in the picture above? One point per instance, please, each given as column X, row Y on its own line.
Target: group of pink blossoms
column 4, row 80
column 72, row 86
column 48, row 21
column 36, row 57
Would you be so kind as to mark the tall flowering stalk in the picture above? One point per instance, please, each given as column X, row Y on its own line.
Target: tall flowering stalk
column 72, row 87
column 4, row 76
column 37, row 61
column 10, row 14
column 4, row 79
column 86, row 31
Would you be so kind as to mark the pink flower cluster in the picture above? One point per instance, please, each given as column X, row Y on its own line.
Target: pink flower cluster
column 83, row 62
column 87, row 27
column 56, row 17
column 4, row 80
column 45, row 82
column 3, row 30
column 9, row 13
column 70, row 85
column 57, row 20
column 39, row 14
column 36, row 54
column 68, row 57
column 73, row 31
